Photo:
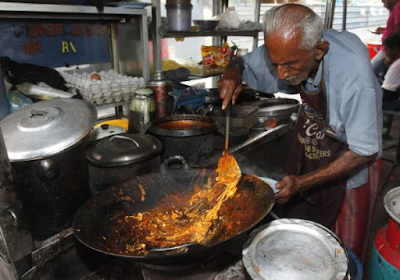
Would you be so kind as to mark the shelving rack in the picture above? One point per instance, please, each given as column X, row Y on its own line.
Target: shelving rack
column 218, row 8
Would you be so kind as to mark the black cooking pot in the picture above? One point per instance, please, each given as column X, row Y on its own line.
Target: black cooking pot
column 45, row 145
column 118, row 158
column 98, row 222
column 190, row 136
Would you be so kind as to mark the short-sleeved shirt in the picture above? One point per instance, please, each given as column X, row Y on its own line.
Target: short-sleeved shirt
column 393, row 20
column 354, row 95
column 392, row 77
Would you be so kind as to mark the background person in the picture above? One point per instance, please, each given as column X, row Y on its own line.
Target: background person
column 391, row 82
column 338, row 131
column 392, row 26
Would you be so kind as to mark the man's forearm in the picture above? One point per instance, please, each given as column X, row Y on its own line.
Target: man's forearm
column 342, row 166
column 238, row 63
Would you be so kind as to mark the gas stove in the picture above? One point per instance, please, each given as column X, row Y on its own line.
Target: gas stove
column 223, row 265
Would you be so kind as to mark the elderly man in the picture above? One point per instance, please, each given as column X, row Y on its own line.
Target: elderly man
column 338, row 132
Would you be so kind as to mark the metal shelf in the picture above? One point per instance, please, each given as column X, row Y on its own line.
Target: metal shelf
column 217, row 8
column 25, row 10
column 219, row 33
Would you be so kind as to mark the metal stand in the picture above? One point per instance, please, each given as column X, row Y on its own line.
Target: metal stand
column 396, row 162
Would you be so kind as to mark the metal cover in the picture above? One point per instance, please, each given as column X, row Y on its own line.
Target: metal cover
column 124, row 149
column 46, row 128
column 277, row 110
column 392, row 204
column 295, row 249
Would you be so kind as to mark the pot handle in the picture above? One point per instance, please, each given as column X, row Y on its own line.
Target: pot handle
column 124, row 138
column 177, row 250
column 174, row 162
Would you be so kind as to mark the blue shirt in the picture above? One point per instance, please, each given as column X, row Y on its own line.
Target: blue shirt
column 354, row 95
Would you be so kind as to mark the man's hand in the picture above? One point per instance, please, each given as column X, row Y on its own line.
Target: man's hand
column 379, row 30
column 289, row 186
column 339, row 168
column 230, row 85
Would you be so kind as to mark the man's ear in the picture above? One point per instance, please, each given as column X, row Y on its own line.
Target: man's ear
column 320, row 49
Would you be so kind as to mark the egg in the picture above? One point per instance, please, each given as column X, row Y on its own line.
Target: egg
column 95, row 77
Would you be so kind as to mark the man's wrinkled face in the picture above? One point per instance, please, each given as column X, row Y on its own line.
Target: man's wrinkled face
column 292, row 64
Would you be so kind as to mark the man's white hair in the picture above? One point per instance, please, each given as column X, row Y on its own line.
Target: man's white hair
column 287, row 19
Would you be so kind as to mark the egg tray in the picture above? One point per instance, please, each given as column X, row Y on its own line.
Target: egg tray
column 104, row 87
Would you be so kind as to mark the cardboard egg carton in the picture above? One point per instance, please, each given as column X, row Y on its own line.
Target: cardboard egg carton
column 104, row 87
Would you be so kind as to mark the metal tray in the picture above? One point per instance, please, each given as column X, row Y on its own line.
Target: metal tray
column 295, row 249
column 129, row 5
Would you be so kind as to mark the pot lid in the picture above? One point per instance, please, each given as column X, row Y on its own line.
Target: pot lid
column 143, row 91
column 46, row 128
column 124, row 149
column 294, row 249
column 105, row 130
column 391, row 202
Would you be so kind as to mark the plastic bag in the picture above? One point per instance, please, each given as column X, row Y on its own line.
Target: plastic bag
column 229, row 19
column 216, row 55
column 17, row 73
column 17, row 100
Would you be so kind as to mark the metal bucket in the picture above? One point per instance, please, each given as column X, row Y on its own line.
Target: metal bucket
column 295, row 249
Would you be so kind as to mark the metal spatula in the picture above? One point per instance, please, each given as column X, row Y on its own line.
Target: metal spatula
column 228, row 112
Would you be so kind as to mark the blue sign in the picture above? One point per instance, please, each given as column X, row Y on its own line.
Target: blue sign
column 55, row 43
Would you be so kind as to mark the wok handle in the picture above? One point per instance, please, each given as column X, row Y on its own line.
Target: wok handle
column 174, row 162
column 177, row 250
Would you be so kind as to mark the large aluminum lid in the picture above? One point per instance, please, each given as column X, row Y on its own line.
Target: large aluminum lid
column 295, row 249
column 392, row 204
column 124, row 149
column 46, row 128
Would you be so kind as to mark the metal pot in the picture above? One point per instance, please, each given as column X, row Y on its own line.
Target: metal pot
column 95, row 222
column 191, row 136
column 278, row 110
column 45, row 146
column 118, row 158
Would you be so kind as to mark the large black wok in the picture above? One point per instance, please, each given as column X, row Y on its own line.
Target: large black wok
column 95, row 222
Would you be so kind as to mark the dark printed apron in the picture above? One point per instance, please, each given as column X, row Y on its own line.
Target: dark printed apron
column 311, row 149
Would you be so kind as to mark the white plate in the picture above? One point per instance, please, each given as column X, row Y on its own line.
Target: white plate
column 270, row 182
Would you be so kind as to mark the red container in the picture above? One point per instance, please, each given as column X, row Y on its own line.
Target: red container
column 373, row 48
column 387, row 240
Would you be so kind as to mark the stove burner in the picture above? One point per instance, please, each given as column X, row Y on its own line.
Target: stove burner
column 201, row 270
column 179, row 266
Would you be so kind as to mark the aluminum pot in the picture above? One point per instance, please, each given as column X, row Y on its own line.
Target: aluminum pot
column 190, row 136
column 45, row 144
column 118, row 158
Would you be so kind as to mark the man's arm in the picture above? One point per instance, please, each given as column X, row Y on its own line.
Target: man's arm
column 230, row 85
column 342, row 166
